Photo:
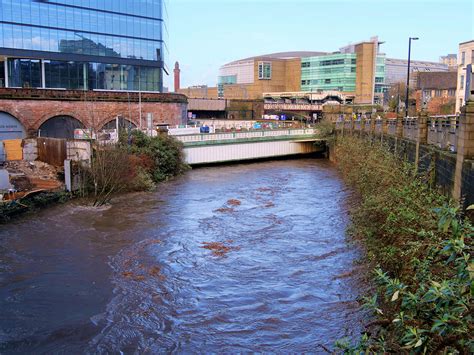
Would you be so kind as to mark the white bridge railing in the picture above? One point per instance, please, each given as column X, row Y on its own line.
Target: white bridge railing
column 204, row 137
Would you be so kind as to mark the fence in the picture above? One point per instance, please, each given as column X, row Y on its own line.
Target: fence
column 444, row 142
column 245, row 135
column 440, row 131
column 52, row 151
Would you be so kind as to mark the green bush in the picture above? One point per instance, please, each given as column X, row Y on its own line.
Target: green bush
column 165, row 152
column 423, row 255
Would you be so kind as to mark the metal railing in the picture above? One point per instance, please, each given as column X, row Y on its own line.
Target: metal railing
column 245, row 135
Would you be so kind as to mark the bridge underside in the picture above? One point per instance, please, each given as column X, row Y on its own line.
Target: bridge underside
column 221, row 153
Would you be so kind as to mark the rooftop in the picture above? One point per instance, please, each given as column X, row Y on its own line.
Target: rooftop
column 437, row 80
column 280, row 55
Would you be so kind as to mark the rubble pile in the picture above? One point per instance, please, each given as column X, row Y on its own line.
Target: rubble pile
column 26, row 175
column 35, row 169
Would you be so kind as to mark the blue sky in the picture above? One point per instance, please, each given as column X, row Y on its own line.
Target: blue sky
column 204, row 34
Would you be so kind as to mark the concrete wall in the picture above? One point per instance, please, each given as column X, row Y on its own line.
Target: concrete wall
column 30, row 149
column 452, row 172
column 79, row 151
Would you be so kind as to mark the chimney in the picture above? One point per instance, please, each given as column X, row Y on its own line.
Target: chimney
column 177, row 73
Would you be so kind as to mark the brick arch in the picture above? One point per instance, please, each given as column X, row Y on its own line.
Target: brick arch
column 37, row 124
column 104, row 121
column 18, row 116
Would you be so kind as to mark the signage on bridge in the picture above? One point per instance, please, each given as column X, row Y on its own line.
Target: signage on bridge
column 293, row 107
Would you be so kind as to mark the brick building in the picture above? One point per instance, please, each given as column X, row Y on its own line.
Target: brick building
column 436, row 92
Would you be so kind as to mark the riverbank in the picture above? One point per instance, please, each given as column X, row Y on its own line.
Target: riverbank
column 31, row 204
column 136, row 163
column 420, row 247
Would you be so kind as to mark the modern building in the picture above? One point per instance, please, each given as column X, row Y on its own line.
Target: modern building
column 200, row 92
column 451, row 60
column 396, row 70
column 83, row 44
column 466, row 57
column 358, row 69
column 249, row 78
column 436, row 92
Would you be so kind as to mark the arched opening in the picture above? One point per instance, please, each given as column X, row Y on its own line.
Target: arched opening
column 60, row 127
column 122, row 123
column 10, row 128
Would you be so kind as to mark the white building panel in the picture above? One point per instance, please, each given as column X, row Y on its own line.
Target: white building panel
column 246, row 151
column 244, row 71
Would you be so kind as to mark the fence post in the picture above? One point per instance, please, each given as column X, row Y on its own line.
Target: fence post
column 373, row 121
column 465, row 146
column 384, row 129
column 399, row 131
column 421, row 135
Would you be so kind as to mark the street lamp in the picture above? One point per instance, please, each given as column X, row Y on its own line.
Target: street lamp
column 408, row 73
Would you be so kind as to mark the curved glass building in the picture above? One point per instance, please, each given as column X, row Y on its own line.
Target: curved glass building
column 83, row 44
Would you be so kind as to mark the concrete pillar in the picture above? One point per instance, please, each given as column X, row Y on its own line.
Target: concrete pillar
column 399, row 131
column 384, row 127
column 465, row 146
column 372, row 126
column 421, row 135
column 7, row 84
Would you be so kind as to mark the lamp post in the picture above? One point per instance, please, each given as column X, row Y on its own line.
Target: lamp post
column 408, row 73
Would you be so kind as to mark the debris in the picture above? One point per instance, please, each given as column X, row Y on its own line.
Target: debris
column 234, row 202
column 225, row 210
column 218, row 249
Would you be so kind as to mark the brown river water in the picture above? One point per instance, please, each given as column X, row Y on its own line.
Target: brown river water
column 138, row 277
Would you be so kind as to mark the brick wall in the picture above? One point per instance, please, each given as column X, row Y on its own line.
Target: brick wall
column 93, row 109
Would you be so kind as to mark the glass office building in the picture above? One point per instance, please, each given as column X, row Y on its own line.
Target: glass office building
column 337, row 72
column 83, row 44
column 329, row 72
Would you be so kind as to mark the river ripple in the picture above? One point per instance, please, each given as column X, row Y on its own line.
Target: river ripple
column 136, row 278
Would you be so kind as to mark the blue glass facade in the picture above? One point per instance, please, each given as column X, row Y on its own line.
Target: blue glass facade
column 83, row 44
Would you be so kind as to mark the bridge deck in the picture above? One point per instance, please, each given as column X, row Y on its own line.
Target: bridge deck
column 237, row 146
column 250, row 136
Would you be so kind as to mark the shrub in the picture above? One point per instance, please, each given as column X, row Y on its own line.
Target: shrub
column 165, row 154
column 423, row 252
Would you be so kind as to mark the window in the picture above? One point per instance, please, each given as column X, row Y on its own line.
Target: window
column 24, row 73
column 426, row 93
column 327, row 81
column 228, row 79
column 379, row 80
column 332, row 62
column 264, row 70
column 463, row 58
column 438, row 93
column 452, row 92
column 462, row 82
column 305, row 64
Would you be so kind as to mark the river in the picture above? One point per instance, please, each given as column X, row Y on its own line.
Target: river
column 141, row 276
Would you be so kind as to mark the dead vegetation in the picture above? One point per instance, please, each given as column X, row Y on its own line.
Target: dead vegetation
column 219, row 249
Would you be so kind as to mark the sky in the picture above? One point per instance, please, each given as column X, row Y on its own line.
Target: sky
column 205, row 34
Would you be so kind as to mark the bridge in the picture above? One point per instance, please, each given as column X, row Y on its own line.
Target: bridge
column 237, row 146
